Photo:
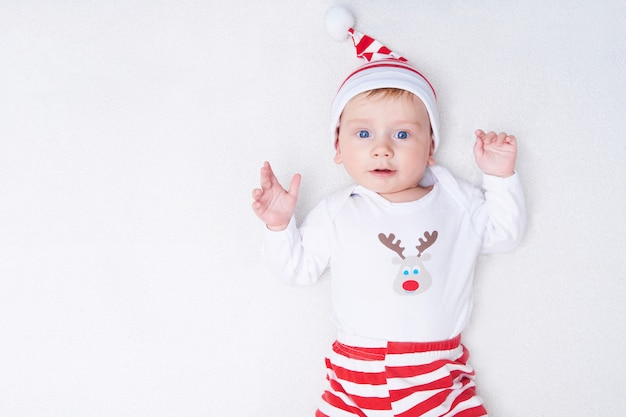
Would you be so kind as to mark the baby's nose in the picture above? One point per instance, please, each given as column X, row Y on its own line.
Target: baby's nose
column 382, row 150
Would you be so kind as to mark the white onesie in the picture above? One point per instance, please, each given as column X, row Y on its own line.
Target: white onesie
column 401, row 271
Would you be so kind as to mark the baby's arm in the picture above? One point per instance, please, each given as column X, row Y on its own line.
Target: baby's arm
column 504, row 197
column 284, row 253
column 272, row 203
column 495, row 153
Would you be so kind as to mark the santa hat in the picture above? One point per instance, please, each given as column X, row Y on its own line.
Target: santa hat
column 383, row 69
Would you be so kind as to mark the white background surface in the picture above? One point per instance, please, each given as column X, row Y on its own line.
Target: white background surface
column 131, row 135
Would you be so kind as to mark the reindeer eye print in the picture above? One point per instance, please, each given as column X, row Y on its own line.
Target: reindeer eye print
column 416, row 271
column 406, row 271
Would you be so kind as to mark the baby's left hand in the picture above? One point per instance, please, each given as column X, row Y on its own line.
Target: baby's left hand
column 495, row 153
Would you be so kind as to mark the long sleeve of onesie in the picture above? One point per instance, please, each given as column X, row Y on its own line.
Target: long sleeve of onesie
column 300, row 255
column 505, row 210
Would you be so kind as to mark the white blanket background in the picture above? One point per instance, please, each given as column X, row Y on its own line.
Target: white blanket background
column 131, row 136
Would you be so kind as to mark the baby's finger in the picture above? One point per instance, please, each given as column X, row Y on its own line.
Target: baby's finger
column 266, row 176
column 489, row 137
column 501, row 137
column 294, row 187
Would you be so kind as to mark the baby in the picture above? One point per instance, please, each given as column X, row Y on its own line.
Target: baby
column 399, row 308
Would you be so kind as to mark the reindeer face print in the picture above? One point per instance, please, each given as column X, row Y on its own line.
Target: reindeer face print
column 412, row 278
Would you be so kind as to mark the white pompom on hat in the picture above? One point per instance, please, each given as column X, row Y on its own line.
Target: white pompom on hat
column 383, row 69
column 339, row 20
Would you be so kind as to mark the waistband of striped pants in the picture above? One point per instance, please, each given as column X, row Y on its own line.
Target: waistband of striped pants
column 397, row 347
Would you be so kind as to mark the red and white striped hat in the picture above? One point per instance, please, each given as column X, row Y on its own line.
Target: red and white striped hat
column 383, row 69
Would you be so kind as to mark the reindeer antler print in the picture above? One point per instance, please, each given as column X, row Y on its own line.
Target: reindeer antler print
column 412, row 277
column 426, row 242
column 388, row 242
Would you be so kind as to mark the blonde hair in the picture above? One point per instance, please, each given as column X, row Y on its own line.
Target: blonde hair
column 387, row 92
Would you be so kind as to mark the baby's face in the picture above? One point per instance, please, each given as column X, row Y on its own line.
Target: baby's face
column 385, row 144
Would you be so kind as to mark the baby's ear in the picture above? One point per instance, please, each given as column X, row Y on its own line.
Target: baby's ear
column 337, row 157
column 431, row 156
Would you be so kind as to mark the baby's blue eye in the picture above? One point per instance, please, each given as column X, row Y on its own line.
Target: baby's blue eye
column 402, row 135
column 363, row 134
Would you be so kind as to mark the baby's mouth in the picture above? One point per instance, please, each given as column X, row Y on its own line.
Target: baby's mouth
column 382, row 171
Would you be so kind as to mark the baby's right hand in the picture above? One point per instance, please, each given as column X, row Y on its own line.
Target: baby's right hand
column 272, row 203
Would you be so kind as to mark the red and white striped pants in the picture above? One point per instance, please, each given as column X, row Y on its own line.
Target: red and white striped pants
column 371, row 378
